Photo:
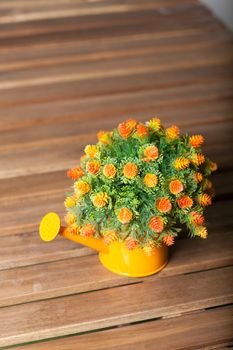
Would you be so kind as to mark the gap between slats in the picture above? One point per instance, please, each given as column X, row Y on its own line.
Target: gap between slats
column 84, row 312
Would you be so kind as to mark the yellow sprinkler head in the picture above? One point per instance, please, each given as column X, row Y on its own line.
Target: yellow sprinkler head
column 49, row 227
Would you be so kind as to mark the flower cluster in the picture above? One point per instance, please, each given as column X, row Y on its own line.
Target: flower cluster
column 138, row 184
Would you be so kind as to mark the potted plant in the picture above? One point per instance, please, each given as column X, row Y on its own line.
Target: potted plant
column 132, row 191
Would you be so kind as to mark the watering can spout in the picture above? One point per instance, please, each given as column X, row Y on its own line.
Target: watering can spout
column 50, row 227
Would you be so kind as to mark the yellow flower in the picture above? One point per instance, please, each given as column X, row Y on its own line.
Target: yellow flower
column 198, row 159
column 104, row 137
column 100, row 199
column 150, row 180
column 204, row 199
column 69, row 202
column 201, row 231
column 69, row 218
column 149, row 248
column 81, row 187
column 91, row 151
column 172, row 133
column 154, row 124
column 181, row 163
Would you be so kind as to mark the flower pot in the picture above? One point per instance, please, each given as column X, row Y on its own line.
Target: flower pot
column 133, row 263
column 116, row 257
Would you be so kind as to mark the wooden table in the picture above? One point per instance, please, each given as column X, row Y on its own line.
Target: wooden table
column 67, row 69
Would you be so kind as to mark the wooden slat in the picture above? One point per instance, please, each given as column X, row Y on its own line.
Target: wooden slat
column 13, row 248
column 118, row 25
column 60, row 278
column 131, row 103
column 126, row 46
column 69, row 68
column 110, row 307
column 108, row 68
column 210, row 329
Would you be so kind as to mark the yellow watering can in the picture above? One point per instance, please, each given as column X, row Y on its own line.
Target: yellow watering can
column 116, row 257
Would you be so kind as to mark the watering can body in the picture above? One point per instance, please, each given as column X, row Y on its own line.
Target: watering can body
column 116, row 257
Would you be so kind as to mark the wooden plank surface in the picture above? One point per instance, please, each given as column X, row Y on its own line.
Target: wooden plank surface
column 75, row 275
column 69, row 68
column 211, row 329
column 115, row 306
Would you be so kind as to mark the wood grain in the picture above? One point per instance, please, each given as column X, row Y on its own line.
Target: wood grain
column 105, row 308
column 69, row 68
column 191, row 331
column 49, row 280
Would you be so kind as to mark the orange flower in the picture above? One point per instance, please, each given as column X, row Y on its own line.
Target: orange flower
column 196, row 218
column 163, row 205
column 196, row 140
column 91, row 151
column 185, row 202
column 125, row 215
column 132, row 123
column 172, row 132
column 156, row 224
column 149, row 249
column 109, row 170
column 110, row 237
column 168, row 240
column 154, row 124
column 201, row 232
column 87, row 230
column 176, row 186
column 142, row 130
column 75, row 173
column 213, row 166
column 93, row 167
column 125, row 129
column 100, row 199
column 69, row 202
column 198, row 159
column 198, row 177
column 69, row 218
column 130, row 170
column 150, row 180
column 73, row 229
column 81, row 187
column 104, row 137
column 207, row 184
column 181, row 163
column 150, row 153
column 204, row 199
column 131, row 243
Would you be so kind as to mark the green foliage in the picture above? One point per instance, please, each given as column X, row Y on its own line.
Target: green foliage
column 123, row 147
